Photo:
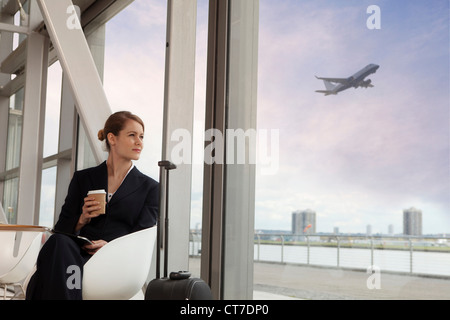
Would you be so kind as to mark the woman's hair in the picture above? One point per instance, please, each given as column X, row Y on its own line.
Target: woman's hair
column 115, row 124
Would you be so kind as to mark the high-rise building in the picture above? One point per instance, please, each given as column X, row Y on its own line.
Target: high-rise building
column 302, row 219
column 391, row 229
column 412, row 222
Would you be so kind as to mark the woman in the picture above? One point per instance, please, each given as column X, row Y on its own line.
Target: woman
column 132, row 205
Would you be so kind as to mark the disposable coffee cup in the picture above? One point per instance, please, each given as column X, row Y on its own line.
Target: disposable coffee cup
column 100, row 196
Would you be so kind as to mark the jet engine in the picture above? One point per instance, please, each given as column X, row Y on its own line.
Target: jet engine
column 366, row 84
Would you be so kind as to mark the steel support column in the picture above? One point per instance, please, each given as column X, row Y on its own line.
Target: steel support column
column 30, row 171
column 214, row 171
column 229, row 186
column 79, row 67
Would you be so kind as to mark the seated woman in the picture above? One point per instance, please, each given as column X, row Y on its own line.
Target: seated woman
column 132, row 205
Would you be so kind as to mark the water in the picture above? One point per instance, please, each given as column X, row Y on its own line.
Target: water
column 430, row 263
column 415, row 262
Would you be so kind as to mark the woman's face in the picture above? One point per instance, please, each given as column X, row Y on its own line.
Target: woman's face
column 129, row 143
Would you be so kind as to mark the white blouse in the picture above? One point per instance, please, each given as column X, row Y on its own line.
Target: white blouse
column 111, row 194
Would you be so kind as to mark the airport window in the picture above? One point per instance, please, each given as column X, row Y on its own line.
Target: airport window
column 14, row 130
column 52, row 110
column 10, row 195
column 47, row 202
column 363, row 172
column 134, row 71
column 51, row 141
column 328, row 158
column 85, row 156
column 341, row 110
column 14, row 142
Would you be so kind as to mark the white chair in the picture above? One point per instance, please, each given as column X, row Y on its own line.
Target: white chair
column 119, row 270
column 18, row 254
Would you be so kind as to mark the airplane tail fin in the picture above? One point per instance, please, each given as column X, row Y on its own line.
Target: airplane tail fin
column 329, row 87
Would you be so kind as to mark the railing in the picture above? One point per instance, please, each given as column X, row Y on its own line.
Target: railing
column 425, row 255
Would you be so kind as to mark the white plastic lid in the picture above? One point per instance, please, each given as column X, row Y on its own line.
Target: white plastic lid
column 97, row 191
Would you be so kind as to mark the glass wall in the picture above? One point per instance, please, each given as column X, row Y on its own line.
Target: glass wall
column 85, row 156
column 357, row 158
column 52, row 110
column 10, row 194
column 10, row 189
column 15, row 121
column 134, row 71
column 344, row 167
column 51, row 141
column 47, row 202
column 14, row 142
column 198, row 138
column 336, row 170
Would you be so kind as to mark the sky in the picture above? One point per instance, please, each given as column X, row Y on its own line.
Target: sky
column 365, row 155
column 358, row 158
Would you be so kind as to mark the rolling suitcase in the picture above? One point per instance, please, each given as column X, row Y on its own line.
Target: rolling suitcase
column 178, row 285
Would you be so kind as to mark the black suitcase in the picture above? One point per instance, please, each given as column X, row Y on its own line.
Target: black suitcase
column 179, row 285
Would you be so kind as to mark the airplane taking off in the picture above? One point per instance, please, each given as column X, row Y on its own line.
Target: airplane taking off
column 335, row 85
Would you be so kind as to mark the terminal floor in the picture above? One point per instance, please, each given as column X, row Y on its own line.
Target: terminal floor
column 295, row 282
column 284, row 281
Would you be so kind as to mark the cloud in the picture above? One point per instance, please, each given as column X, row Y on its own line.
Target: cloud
column 376, row 149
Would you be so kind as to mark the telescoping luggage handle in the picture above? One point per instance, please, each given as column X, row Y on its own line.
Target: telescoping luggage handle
column 165, row 167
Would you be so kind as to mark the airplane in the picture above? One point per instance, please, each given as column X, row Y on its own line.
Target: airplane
column 335, row 85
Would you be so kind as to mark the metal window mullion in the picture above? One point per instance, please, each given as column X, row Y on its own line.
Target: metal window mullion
column 30, row 171
column 213, row 186
column 66, row 142
column 227, row 247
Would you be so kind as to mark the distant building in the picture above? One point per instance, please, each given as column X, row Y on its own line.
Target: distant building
column 301, row 220
column 336, row 230
column 412, row 222
column 369, row 230
column 391, row 229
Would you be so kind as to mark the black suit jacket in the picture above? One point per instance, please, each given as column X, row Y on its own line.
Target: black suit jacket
column 133, row 207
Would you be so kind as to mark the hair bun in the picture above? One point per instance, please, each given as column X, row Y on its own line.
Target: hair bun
column 101, row 135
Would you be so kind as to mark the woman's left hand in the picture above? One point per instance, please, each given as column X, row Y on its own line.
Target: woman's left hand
column 93, row 248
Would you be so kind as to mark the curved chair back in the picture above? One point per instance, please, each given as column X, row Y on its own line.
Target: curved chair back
column 119, row 270
column 16, row 268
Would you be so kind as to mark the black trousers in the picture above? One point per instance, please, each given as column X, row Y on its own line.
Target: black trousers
column 59, row 270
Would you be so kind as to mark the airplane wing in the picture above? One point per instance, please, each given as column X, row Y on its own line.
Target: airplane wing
column 335, row 80
column 326, row 92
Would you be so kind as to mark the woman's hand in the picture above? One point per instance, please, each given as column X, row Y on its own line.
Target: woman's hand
column 93, row 248
column 90, row 205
